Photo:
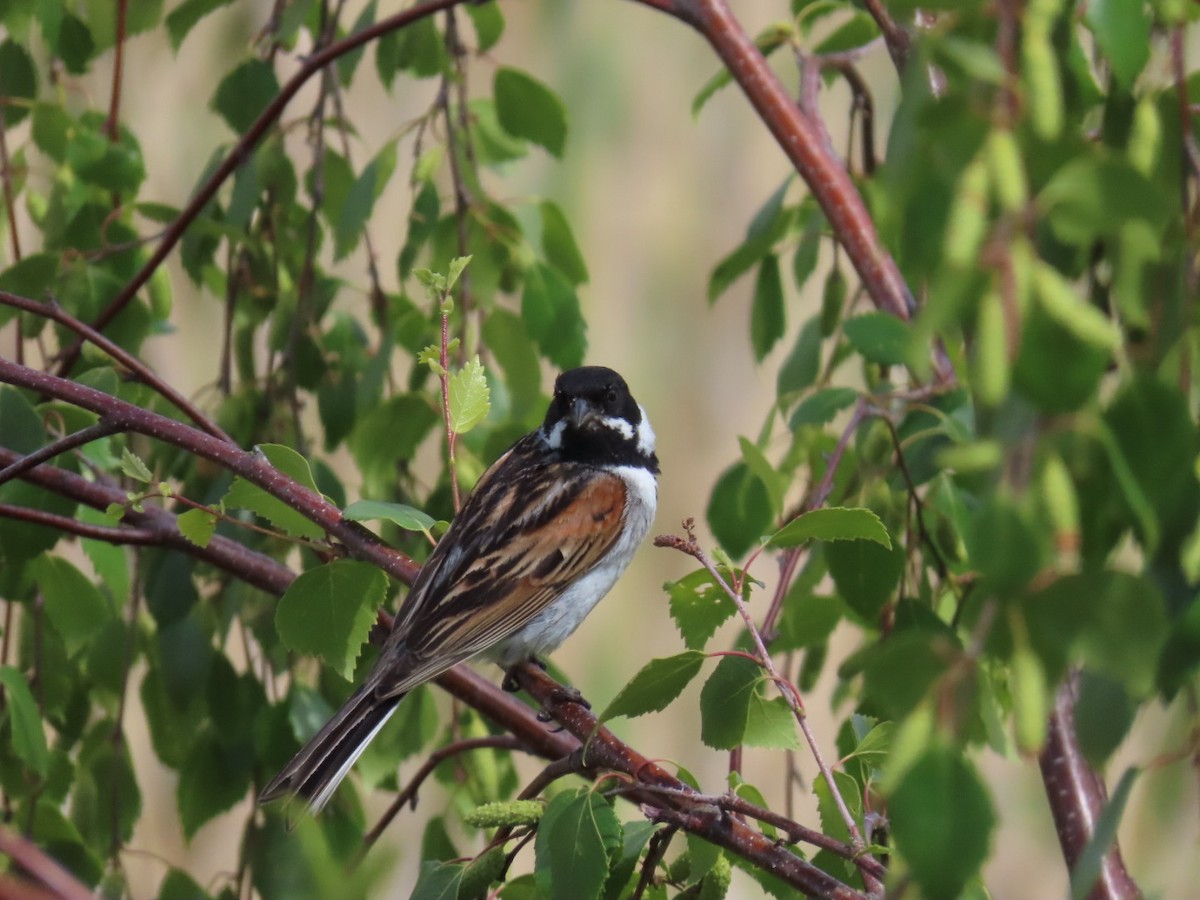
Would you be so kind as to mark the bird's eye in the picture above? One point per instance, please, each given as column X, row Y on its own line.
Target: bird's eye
column 610, row 395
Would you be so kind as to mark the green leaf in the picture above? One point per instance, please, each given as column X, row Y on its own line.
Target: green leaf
column 1091, row 860
column 32, row 277
column 388, row 434
column 558, row 243
column 942, row 821
column 213, row 778
column 1122, row 29
column 438, row 881
column 179, row 885
column 658, row 683
column 360, row 200
column 699, row 606
column 880, row 337
column 725, row 702
column 18, row 81
column 488, row 22
column 407, row 517
column 28, row 738
column 767, row 227
column 768, row 41
column 530, row 110
column 133, row 466
column 197, row 525
column 74, row 606
column 469, row 397
column 328, row 612
column 803, row 364
column 866, row 573
column 767, row 317
column 770, row 724
column 820, row 407
column 550, row 309
column 578, row 833
column 774, row 481
column 899, row 671
column 1103, row 715
column 184, row 17
column 243, row 494
column 832, row 822
column 833, row 523
column 739, row 511
column 244, row 93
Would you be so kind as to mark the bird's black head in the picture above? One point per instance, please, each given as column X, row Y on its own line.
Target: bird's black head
column 593, row 418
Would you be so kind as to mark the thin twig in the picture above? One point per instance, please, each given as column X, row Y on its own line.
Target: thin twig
column 101, row 429
column 691, row 547
column 241, row 151
column 144, row 373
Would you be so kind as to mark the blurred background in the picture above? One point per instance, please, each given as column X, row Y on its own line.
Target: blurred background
column 656, row 197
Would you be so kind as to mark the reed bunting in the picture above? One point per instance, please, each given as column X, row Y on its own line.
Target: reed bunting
column 547, row 531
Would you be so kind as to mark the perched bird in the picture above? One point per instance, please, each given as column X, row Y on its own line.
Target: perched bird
column 546, row 533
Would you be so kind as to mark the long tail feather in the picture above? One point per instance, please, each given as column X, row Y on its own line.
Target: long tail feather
column 316, row 771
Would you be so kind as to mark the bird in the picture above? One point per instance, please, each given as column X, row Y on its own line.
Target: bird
column 545, row 534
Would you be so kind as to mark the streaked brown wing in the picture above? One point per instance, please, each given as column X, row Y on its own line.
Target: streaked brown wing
column 522, row 542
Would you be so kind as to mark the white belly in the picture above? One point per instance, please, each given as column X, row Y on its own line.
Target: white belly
column 553, row 625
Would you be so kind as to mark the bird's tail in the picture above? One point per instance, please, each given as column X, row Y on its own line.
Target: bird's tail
column 316, row 771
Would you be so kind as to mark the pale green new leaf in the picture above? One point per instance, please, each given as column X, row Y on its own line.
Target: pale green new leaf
column 469, row 397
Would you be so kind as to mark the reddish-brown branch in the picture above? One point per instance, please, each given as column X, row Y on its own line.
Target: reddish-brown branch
column 254, row 467
column 144, row 373
column 1077, row 797
column 312, row 65
column 112, row 125
column 802, row 140
column 679, row 805
column 56, row 880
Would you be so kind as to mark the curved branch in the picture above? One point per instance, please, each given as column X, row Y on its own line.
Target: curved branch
column 802, row 140
column 56, row 313
column 312, row 65
column 679, row 805
column 1077, row 797
column 57, row 881
column 253, row 467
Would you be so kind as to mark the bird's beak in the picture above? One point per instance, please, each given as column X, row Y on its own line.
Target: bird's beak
column 581, row 412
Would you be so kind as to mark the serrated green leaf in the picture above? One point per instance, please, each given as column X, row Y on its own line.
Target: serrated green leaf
column 770, row 723
column 832, row 523
column 558, row 243
column 577, row 835
column 360, row 199
column 213, row 778
column 530, row 110
column 942, row 821
column 19, row 80
column 699, row 606
column 133, row 466
column 865, row 572
column 21, row 710
column 438, row 881
column 407, row 517
column 243, row 494
column 328, row 612
column 184, row 17
column 653, row 688
column 820, row 407
column 469, row 397
column 739, row 511
column 767, row 317
column 197, row 525
column 244, row 93
column 832, row 822
column 725, row 702
column 74, row 605
column 880, row 337
column 1122, row 29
